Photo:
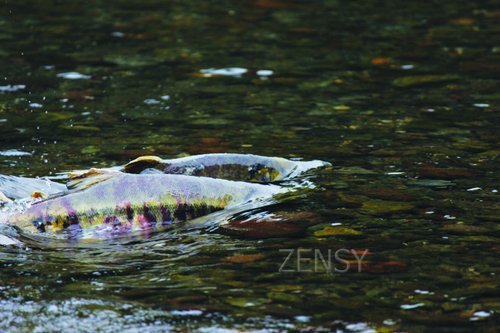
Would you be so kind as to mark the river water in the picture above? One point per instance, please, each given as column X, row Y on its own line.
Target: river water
column 401, row 97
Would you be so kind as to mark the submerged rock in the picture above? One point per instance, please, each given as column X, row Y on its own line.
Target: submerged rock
column 432, row 172
column 278, row 224
column 244, row 258
column 382, row 207
column 336, row 231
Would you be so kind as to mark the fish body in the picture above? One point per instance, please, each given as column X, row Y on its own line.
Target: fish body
column 149, row 192
column 245, row 167
column 137, row 201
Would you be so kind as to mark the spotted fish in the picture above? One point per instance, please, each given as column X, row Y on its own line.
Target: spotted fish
column 244, row 167
column 124, row 202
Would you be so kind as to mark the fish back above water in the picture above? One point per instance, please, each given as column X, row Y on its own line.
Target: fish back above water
column 130, row 201
column 245, row 167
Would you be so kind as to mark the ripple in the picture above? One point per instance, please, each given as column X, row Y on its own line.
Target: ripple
column 151, row 101
column 93, row 315
column 12, row 88
column 480, row 315
column 264, row 72
column 73, row 76
column 14, row 152
column 230, row 71
column 411, row 306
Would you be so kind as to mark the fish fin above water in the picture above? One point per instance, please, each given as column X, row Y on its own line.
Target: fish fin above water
column 141, row 163
column 85, row 173
column 91, row 177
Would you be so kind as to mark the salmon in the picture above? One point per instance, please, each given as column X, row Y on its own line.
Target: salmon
column 244, row 167
column 127, row 202
column 149, row 192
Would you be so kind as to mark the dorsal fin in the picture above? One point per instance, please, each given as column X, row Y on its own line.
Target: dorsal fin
column 85, row 180
column 141, row 163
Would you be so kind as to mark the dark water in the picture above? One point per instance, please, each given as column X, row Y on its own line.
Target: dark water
column 402, row 97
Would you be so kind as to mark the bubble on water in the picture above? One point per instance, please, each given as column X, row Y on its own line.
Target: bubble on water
column 36, row 105
column 118, row 34
column 481, row 105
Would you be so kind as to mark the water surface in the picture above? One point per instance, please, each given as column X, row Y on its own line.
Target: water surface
column 402, row 98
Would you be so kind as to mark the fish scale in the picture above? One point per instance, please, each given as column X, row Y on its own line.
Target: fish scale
column 137, row 201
